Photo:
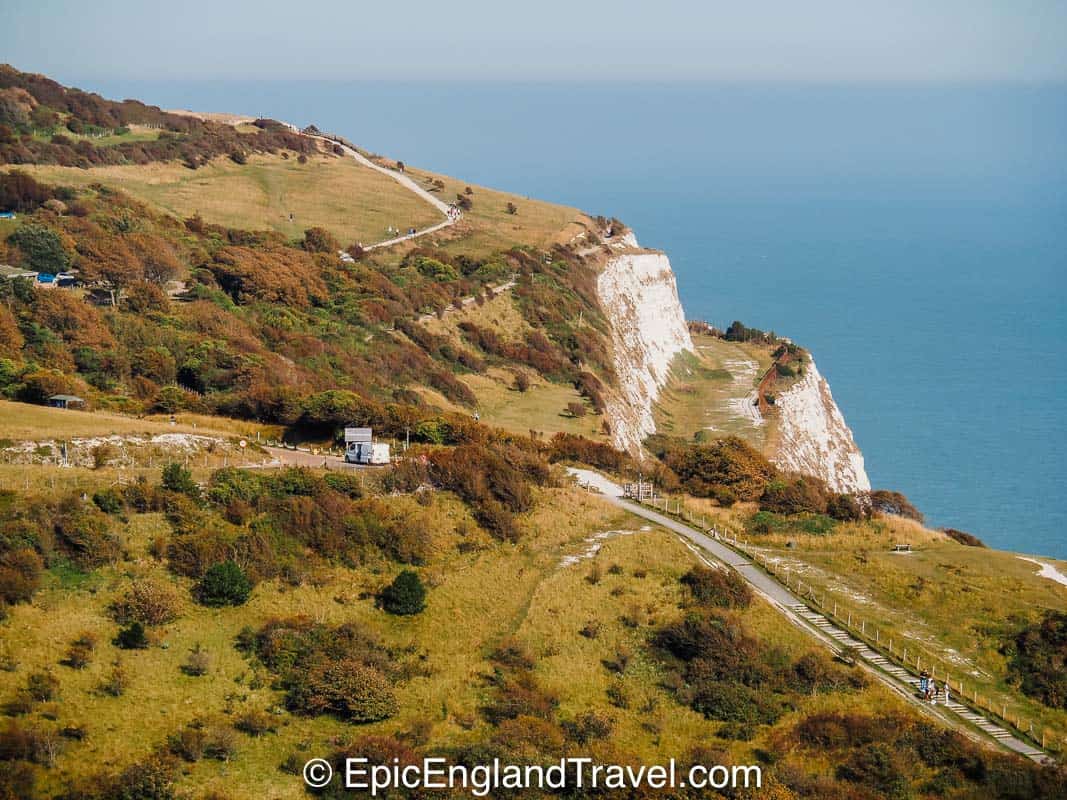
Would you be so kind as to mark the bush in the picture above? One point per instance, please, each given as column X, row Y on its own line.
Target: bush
column 42, row 685
column 1037, row 659
column 148, row 601
column 576, row 409
column 20, row 575
column 320, row 240
column 723, row 588
column 795, row 494
column 177, row 478
column 406, row 595
column 887, row 502
column 198, row 662
column 255, row 722
column 42, row 248
column 81, row 650
column 964, row 538
column 224, row 584
column 132, row 637
column 347, row 688
column 109, row 501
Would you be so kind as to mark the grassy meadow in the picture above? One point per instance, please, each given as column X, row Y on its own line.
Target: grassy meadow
column 481, row 595
column 707, row 389
column 25, row 421
column 353, row 202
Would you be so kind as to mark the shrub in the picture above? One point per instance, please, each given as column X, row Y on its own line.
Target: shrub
column 109, row 501
column 1037, row 659
column 347, row 688
column 42, row 685
column 148, row 601
column 964, row 538
column 887, row 502
column 255, row 722
column 795, row 494
column 116, row 680
column 732, row 702
column 42, row 248
column 20, row 575
column 224, row 584
column 177, row 478
column 406, row 595
column 320, row 240
column 132, row 637
column 588, row 727
column 81, row 650
column 717, row 587
column 576, row 409
column 198, row 662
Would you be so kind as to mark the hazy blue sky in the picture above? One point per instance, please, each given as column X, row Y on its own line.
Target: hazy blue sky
column 796, row 40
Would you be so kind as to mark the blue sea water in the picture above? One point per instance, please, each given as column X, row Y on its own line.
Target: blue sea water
column 914, row 238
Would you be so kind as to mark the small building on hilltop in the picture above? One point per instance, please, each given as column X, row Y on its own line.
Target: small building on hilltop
column 68, row 401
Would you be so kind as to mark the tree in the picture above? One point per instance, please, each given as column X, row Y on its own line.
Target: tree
column 177, row 478
column 320, row 240
column 42, row 247
column 346, row 687
column 132, row 637
column 224, row 584
column 406, row 595
column 522, row 382
column 576, row 409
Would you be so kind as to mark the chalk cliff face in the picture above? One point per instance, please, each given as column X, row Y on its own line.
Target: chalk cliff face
column 813, row 438
column 640, row 297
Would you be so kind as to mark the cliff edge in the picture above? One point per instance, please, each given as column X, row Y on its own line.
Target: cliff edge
column 813, row 437
column 639, row 295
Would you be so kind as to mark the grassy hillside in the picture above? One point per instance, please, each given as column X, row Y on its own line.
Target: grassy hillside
column 354, row 203
column 184, row 626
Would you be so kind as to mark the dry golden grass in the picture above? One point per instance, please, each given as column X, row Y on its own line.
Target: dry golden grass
column 22, row 421
column 488, row 227
column 353, row 202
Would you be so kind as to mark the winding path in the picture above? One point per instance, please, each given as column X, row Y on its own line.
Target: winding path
column 817, row 625
column 404, row 181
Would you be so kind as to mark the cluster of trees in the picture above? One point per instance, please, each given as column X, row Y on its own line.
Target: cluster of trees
column 892, row 753
column 265, row 322
column 738, row 332
column 1037, row 659
column 33, row 104
column 721, row 670
column 344, row 671
column 730, row 470
column 497, row 480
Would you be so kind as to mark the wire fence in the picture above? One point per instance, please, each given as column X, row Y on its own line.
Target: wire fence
column 875, row 633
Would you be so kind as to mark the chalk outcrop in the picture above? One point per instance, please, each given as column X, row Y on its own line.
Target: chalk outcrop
column 639, row 295
column 813, row 437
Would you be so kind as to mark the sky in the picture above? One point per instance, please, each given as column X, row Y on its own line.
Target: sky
column 854, row 41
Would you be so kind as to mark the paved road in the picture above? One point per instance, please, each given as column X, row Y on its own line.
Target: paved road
column 813, row 623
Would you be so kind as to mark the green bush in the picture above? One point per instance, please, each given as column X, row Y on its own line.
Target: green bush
column 109, row 501
column 224, row 584
column 132, row 637
column 717, row 587
column 346, row 687
column 177, row 478
column 406, row 595
column 42, row 248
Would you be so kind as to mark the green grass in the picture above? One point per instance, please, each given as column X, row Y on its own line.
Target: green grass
column 706, row 387
column 353, row 202
column 951, row 604
column 137, row 133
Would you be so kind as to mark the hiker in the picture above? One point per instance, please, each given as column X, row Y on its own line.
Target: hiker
column 945, row 686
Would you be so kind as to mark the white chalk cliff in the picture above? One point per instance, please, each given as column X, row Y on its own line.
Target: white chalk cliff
column 639, row 295
column 813, row 437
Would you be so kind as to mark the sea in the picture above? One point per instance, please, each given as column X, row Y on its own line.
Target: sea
column 913, row 237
